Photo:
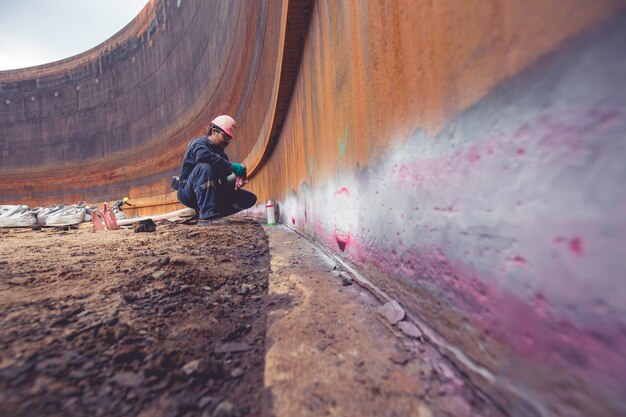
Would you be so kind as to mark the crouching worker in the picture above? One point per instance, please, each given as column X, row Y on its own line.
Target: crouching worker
column 203, row 183
column 120, row 203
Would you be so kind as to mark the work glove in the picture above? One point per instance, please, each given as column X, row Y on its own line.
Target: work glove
column 239, row 170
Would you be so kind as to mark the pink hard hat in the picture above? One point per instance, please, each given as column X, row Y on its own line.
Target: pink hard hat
column 226, row 123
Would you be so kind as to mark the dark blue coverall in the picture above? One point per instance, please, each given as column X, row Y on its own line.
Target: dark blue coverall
column 203, row 185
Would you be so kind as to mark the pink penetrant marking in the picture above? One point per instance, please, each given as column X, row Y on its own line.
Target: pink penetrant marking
column 342, row 190
column 342, row 237
column 527, row 327
column 569, row 133
column 473, row 156
column 414, row 173
column 576, row 246
column 519, row 261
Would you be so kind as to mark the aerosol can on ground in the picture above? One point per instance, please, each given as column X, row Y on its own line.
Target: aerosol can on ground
column 271, row 213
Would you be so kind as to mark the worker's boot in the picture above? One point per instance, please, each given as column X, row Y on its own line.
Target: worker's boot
column 192, row 220
column 214, row 222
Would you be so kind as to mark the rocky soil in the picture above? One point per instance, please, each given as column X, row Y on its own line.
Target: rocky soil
column 167, row 323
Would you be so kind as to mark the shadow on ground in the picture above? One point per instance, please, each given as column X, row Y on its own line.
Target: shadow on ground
column 169, row 323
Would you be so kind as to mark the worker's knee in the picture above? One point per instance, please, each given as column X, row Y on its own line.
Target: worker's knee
column 203, row 169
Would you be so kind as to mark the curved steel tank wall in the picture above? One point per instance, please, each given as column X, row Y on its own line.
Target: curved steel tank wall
column 114, row 120
column 467, row 157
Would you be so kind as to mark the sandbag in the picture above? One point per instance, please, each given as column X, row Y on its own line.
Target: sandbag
column 17, row 216
column 66, row 216
column 45, row 212
column 4, row 209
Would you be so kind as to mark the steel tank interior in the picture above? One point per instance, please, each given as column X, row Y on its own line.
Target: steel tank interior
column 465, row 157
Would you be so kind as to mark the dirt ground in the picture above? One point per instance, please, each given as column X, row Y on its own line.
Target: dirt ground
column 167, row 323
column 226, row 321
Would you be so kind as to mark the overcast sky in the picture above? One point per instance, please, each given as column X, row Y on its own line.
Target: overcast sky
column 34, row 32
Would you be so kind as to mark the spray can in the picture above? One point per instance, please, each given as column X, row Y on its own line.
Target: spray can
column 271, row 213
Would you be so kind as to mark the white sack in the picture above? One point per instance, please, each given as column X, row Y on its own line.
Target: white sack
column 45, row 212
column 4, row 209
column 16, row 216
column 66, row 216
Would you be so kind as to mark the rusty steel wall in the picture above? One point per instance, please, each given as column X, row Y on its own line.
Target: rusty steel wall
column 467, row 158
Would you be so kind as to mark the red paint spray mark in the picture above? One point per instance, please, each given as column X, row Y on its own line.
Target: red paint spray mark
column 576, row 246
column 293, row 220
column 341, row 244
column 342, row 217
column 446, row 209
column 473, row 156
column 342, row 190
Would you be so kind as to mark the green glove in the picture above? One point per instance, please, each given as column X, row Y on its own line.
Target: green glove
column 239, row 170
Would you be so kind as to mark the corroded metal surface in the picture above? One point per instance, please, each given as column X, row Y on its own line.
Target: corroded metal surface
column 465, row 157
